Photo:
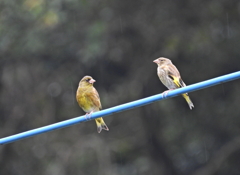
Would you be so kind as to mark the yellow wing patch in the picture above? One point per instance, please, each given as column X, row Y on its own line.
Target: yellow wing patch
column 176, row 81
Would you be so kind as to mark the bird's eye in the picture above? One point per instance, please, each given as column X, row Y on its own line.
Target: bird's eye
column 87, row 80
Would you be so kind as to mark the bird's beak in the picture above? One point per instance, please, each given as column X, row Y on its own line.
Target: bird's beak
column 156, row 61
column 92, row 81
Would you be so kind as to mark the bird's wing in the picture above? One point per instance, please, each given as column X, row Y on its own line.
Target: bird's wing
column 174, row 74
column 98, row 101
column 93, row 96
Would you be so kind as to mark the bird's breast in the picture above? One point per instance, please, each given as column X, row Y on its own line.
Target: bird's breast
column 162, row 74
column 164, row 78
column 85, row 102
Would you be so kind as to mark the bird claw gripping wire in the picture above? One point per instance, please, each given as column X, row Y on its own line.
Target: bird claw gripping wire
column 88, row 116
column 165, row 93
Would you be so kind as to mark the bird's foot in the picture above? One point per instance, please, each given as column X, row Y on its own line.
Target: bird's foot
column 165, row 93
column 88, row 116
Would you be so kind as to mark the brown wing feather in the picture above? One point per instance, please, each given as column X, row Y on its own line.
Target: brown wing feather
column 174, row 74
column 181, row 82
column 173, row 71
column 98, row 102
column 93, row 96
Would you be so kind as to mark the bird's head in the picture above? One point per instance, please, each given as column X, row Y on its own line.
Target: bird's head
column 162, row 61
column 87, row 81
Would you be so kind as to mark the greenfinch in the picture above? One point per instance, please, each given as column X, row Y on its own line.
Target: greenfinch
column 88, row 99
column 170, row 77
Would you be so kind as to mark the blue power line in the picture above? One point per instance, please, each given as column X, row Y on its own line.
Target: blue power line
column 123, row 107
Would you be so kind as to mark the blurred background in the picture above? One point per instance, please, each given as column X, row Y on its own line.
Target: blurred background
column 46, row 47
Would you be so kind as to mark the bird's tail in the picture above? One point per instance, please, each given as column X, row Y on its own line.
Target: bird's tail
column 187, row 98
column 101, row 124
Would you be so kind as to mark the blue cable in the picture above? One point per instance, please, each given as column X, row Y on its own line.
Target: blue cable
column 123, row 107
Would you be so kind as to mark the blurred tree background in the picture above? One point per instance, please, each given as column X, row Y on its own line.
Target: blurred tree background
column 46, row 47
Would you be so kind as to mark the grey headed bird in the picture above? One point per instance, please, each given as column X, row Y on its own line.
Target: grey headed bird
column 170, row 77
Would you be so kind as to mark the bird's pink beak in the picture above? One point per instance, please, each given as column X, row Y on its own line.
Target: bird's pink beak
column 92, row 81
column 156, row 61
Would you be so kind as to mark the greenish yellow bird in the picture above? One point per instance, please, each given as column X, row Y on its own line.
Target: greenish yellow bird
column 170, row 77
column 88, row 99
